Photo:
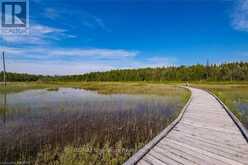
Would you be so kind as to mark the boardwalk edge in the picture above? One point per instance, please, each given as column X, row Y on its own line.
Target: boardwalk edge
column 240, row 126
column 143, row 151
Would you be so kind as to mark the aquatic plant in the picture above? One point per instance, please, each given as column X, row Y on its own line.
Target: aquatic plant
column 75, row 126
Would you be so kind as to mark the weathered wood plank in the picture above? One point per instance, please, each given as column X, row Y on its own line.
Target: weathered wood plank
column 205, row 134
column 239, row 140
column 195, row 156
column 143, row 162
column 210, row 128
column 154, row 160
column 211, row 155
column 173, row 155
column 211, row 148
column 216, row 141
column 167, row 160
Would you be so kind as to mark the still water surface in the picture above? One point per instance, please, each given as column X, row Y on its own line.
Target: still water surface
column 34, row 118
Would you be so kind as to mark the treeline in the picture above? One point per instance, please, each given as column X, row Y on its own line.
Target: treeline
column 225, row 72
column 237, row 71
column 18, row 77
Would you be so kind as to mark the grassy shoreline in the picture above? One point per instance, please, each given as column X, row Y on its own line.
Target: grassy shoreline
column 233, row 94
column 101, row 87
column 115, row 152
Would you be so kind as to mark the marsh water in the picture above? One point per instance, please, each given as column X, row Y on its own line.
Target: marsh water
column 34, row 118
column 242, row 107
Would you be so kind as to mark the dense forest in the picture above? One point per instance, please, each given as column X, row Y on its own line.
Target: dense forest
column 21, row 77
column 223, row 72
column 237, row 71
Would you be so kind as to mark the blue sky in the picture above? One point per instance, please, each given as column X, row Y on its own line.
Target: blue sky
column 79, row 36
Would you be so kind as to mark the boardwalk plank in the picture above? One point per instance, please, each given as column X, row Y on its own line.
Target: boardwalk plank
column 222, row 136
column 210, row 128
column 164, row 158
column 195, row 156
column 154, row 160
column 210, row 154
column 213, row 149
column 206, row 134
column 215, row 141
column 143, row 162
column 173, row 155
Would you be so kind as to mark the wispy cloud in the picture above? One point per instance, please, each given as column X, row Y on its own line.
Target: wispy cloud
column 149, row 62
column 38, row 34
column 46, row 67
column 79, row 16
column 54, row 61
column 51, row 13
column 240, row 16
column 74, row 52
column 56, row 67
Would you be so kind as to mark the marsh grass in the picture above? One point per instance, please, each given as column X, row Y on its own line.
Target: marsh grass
column 13, row 87
column 235, row 96
column 52, row 89
column 90, row 133
column 132, row 88
column 89, row 153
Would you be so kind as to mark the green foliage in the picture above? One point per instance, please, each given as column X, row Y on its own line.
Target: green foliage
column 21, row 77
column 225, row 72
column 85, row 154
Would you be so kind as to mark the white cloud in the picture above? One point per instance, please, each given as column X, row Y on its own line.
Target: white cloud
column 75, row 67
column 51, row 61
column 101, row 24
column 106, row 53
column 160, row 61
column 38, row 34
column 51, row 13
column 74, row 52
column 81, row 18
column 150, row 62
column 240, row 16
column 55, row 68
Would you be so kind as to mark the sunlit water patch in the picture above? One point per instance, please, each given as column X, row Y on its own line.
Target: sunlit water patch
column 35, row 118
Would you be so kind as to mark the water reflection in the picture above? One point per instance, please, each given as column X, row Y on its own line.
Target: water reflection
column 32, row 119
column 242, row 107
column 3, row 108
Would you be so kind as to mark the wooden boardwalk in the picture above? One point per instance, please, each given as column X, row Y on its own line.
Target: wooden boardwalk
column 206, row 134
